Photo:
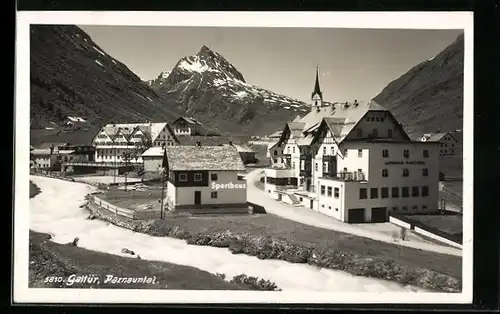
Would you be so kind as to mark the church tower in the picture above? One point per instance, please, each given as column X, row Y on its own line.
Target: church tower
column 316, row 96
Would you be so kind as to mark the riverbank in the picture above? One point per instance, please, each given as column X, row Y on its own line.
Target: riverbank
column 59, row 211
column 332, row 254
column 52, row 260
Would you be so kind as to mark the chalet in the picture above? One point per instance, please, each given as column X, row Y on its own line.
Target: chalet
column 75, row 122
column 114, row 141
column 448, row 144
column 54, row 146
column 153, row 159
column 352, row 161
column 186, row 126
column 43, row 159
column 205, row 178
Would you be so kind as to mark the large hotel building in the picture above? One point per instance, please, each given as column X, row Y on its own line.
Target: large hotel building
column 352, row 161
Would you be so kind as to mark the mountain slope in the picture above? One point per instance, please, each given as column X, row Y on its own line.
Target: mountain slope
column 209, row 88
column 71, row 75
column 429, row 97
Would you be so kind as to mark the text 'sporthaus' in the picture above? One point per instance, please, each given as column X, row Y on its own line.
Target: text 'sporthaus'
column 230, row 185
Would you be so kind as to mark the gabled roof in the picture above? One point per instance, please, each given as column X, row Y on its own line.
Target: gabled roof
column 153, row 152
column 127, row 129
column 243, row 148
column 41, row 152
column 215, row 158
column 435, row 137
column 189, row 120
column 296, row 129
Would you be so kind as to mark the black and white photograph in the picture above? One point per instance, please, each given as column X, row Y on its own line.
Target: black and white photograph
column 246, row 157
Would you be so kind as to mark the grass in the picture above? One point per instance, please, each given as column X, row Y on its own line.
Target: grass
column 313, row 237
column 272, row 237
column 134, row 199
column 451, row 224
column 51, row 259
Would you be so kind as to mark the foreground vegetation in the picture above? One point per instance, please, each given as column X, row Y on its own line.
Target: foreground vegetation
column 271, row 237
column 49, row 259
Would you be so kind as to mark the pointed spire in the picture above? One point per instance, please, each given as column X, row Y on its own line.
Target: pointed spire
column 317, row 89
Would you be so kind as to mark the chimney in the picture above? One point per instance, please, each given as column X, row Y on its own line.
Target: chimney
column 231, row 143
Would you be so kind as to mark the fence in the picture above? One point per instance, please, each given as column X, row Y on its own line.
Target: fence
column 137, row 215
column 426, row 230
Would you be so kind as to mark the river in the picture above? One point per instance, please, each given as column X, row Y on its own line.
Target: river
column 56, row 210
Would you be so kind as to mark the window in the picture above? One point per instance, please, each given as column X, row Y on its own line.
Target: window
column 182, row 177
column 424, row 207
column 385, row 153
column 414, row 191
column 414, row 207
column 406, row 153
column 425, row 172
column 426, row 153
column 213, row 195
column 389, row 133
column 406, row 191
column 425, row 191
column 336, row 209
column 360, row 153
column 275, row 153
column 322, row 190
column 333, row 151
column 293, row 149
column 395, row 192
column 359, row 132
column 363, row 193
column 300, row 199
column 197, row 177
column 406, row 172
column 377, row 119
column 385, row 192
column 288, row 149
column 395, row 209
column 325, row 167
column 324, row 150
column 375, row 132
column 323, row 205
column 329, row 207
column 385, row 173
column 373, row 193
column 345, row 152
column 275, row 160
column 405, row 208
column 316, row 167
column 293, row 165
column 329, row 192
column 336, row 193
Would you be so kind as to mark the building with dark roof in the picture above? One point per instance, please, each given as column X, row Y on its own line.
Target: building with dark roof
column 205, row 179
column 448, row 144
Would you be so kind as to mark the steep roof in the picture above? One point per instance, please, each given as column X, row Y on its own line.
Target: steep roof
column 215, row 158
column 127, row 129
column 189, row 120
column 243, row 148
column 317, row 89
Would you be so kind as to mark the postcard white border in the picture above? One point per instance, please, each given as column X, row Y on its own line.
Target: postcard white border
column 378, row 20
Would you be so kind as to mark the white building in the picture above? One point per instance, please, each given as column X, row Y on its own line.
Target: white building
column 113, row 140
column 43, row 158
column 353, row 161
column 205, row 178
column 153, row 159
column 448, row 144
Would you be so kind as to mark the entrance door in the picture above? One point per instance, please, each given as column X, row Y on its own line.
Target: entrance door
column 356, row 215
column 312, row 204
column 379, row 214
column 197, row 197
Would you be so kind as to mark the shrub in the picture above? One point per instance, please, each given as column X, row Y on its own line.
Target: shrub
column 255, row 283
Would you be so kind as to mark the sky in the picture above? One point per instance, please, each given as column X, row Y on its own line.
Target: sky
column 353, row 63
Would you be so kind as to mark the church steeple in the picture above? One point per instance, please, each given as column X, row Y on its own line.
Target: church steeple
column 317, row 95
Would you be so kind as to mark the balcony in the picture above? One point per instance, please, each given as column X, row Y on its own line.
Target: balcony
column 346, row 176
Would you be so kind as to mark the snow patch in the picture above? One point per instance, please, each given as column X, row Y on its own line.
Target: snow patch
column 241, row 94
column 98, row 62
column 165, row 74
column 98, row 50
column 193, row 66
